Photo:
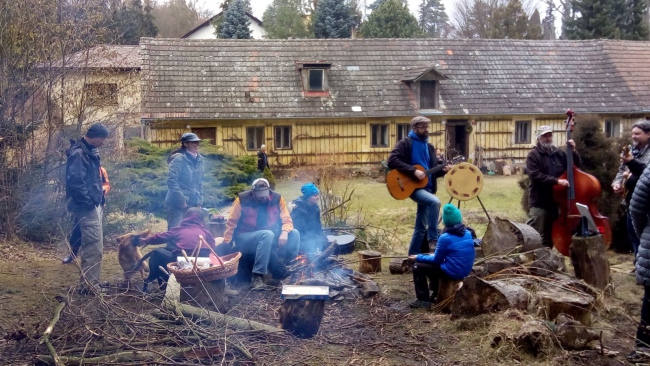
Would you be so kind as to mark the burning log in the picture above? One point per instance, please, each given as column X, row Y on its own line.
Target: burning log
column 370, row 261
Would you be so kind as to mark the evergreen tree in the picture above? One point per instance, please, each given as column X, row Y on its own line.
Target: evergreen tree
column 634, row 24
column 333, row 19
column 247, row 5
column 284, row 19
column 511, row 21
column 594, row 19
column 391, row 20
column 134, row 21
column 377, row 3
column 534, row 26
column 548, row 24
column 432, row 17
column 235, row 23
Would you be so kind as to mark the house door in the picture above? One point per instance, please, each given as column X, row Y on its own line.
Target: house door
column 206, row 133
column 456, row 141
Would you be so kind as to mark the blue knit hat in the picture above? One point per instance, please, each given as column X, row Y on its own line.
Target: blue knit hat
column 451, row 216
column 309, row 190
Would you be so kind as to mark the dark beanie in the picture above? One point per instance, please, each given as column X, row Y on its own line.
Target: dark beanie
column 97, row 130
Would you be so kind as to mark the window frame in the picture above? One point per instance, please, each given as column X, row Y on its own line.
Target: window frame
column 283, row 145
column 406, row 129
column 433, row 94
column 322, row 80
column 384, row 128
column 526, row 139
column 254, row 139
column 614, row 130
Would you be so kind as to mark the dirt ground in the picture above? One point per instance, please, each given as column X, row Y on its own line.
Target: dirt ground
column 378, row 331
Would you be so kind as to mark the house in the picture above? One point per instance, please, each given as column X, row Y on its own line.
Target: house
column 101, row 84
column 206, row 30
column 350, row 100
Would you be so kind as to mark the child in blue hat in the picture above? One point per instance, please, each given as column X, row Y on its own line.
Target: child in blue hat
column 453, row 259
column 306, row 219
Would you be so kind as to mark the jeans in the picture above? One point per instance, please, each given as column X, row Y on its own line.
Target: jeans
column 632, row 234
column 426, row 219
column 422, row 272
column 92, row 245
column 541, row 220
column 642, row 333
column 261, row 242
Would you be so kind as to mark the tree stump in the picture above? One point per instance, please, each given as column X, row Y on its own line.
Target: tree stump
column 206, row 295
column 302, row 317
column 589, row 260
column 478, row 296
column 552, row 302
column 446, row 290
column 370, row 261
column 400, row 266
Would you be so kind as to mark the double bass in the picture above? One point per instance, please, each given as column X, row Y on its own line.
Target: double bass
column 583, row 188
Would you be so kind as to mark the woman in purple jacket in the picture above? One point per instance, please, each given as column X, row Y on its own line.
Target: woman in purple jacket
column 453, row 259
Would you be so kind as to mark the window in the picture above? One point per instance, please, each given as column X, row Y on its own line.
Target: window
column 100, row 95
column 428, row 95
column 316, row 79
column 283, row 137
column 254, row 137
column 613, row 129
column 379, row 135
column 403, row 130
column 522, row 132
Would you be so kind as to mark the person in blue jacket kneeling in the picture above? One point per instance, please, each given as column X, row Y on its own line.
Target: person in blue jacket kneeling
column 453, row 259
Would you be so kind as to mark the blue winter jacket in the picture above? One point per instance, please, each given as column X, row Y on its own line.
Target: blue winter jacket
column 454, row 252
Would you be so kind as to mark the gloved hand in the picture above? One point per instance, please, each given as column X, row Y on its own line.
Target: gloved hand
column 136, row 241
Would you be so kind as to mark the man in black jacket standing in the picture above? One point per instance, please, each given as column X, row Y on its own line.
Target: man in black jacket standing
column 545, row 164
column 84, row 192
column 416, row 150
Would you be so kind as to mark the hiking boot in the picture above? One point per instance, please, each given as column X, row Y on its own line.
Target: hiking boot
column 420, row 304
column 67, row 259
column 257, row 283
column 432, row 245
column 230, row 292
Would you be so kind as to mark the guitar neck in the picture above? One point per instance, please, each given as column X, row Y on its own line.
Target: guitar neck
column 435, row 169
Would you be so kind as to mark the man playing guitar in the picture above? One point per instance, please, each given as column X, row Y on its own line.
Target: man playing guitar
column 416, row 150
column 634, row 160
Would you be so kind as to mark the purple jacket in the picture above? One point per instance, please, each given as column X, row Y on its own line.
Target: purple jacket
column 185, row 236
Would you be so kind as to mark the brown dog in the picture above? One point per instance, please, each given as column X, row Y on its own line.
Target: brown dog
column 129, row 255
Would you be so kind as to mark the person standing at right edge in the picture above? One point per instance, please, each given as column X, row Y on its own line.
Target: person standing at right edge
column 184, row 187
column 412, row 150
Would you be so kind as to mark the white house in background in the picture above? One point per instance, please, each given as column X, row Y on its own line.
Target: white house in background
column 206, row 30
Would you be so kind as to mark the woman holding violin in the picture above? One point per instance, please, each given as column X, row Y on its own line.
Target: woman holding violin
column 545, row 165
column 634, row 160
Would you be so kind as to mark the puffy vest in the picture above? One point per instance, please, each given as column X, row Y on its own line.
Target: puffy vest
column 251, row 220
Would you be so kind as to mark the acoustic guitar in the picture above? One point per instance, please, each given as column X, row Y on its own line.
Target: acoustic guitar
column 401, row 185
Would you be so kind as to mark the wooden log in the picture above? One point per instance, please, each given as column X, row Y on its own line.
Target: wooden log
column 478, row 296
column 534, row 337
column 502, row 236
column 218, row 318
column 400, row 266
column 446, row 292
column 590, row 261
column 369, row 261
column 369, row 289
column 302, row 318
column 554, row 301
column 207, row 295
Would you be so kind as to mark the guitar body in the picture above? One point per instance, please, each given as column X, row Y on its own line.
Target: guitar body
column 401, row 185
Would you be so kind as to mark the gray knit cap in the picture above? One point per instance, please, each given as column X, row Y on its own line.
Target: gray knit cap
column 97, row 130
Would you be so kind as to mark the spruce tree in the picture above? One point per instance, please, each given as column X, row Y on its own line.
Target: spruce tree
column 235, row 24
column 634, row 25
column 391, row 20
column 594, row 19
column 377, row 3
column 534, row 26
column 432, row 17
column 333, row 19
column 284, row 19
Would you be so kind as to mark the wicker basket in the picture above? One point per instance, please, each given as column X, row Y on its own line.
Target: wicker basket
column 196, row 275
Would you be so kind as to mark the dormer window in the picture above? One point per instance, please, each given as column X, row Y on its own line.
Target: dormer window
column 425, row 84
column 314, row 78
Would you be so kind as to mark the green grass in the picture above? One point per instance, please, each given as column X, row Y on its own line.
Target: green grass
column 501, row 197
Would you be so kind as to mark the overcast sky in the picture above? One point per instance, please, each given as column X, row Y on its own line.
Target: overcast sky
column 259, row 6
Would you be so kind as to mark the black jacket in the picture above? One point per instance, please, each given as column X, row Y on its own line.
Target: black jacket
column 400, row 159
column 544, row 168
column 83, row 182
column 306, row 219
column 262, row 161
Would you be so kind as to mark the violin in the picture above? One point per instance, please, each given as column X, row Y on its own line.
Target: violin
column 583, row 188
column 625, row 152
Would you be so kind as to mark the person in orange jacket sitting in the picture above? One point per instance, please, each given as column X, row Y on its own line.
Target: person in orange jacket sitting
column 75, row 235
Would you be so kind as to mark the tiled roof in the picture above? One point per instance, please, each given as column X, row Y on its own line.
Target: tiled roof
column 209, row 78
column 105, row 57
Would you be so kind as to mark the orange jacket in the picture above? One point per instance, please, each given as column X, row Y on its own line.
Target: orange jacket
column 106, row 185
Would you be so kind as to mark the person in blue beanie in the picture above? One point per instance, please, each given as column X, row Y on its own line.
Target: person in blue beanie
column 453, row 259
column 412, row 150
column 306, row 219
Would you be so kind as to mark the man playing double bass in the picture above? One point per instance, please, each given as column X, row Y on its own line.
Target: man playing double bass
column 545, row 163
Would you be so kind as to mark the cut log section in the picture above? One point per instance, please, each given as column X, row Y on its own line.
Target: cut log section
column 302, row 318
column 369, row 261
column 400, row 266
column 446, row 292
column 590, row 261
column 478, row 296
column 207, row 295
column 552, row 302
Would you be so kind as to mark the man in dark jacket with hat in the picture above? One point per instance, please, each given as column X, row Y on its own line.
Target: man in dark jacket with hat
column 545, row 164
column 416, row 150
column 84, row 194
